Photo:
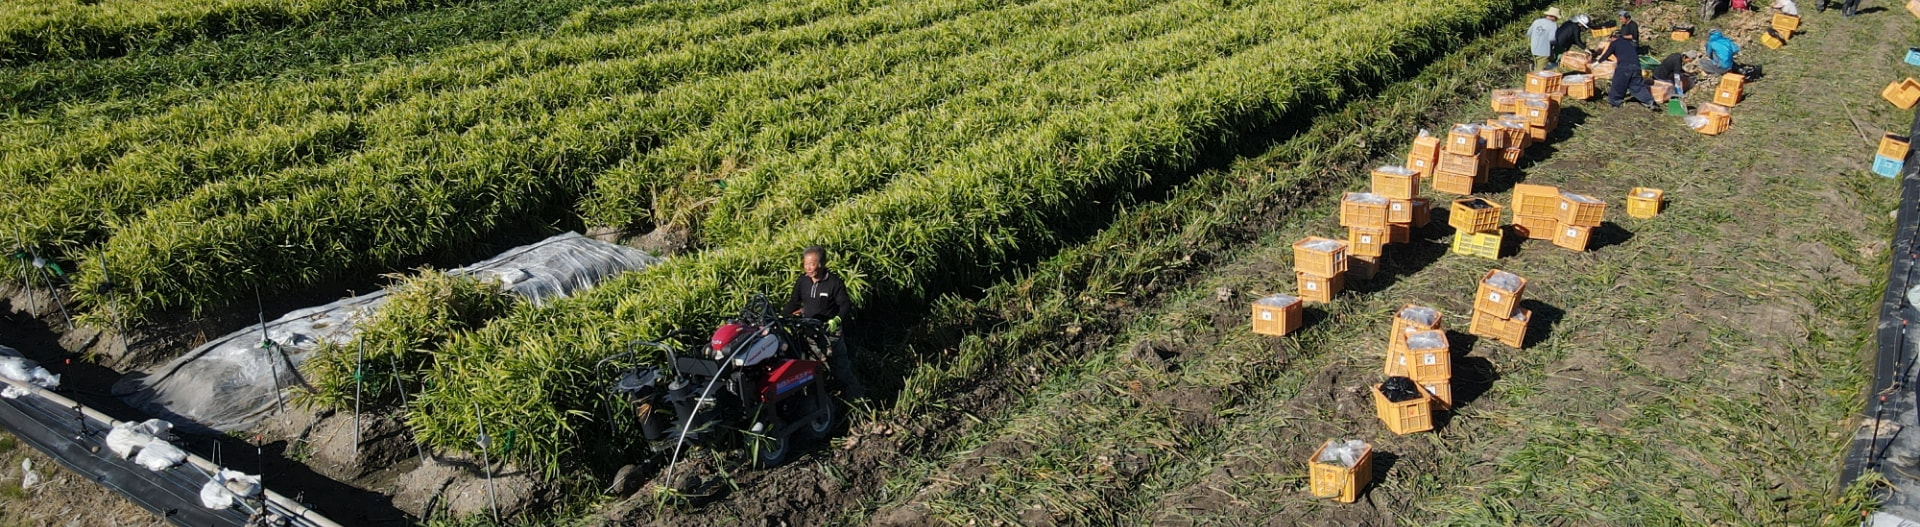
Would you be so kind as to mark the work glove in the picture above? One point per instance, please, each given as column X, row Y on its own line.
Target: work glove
column 833, row 326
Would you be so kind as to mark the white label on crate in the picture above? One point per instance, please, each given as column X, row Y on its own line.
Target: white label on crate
column 1563, row 205
column 1429, row 359
column 1366, row 239
column 1493, row 297
column 1397, row 206
column 1572, row 233
column 1313, row 286
column 1266, row 315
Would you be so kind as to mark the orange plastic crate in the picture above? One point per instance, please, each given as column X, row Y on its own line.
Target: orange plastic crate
column 1584, row 211
column 1366, row 242
column 1452, row 183
column 1319, row 288
column 1441, row 390
column 1603, row 69
column 1538, row 113
column 1644, row 202
column 1396, row 182
column 1509, row 157
column 1427, row 355
column 1506, row 101
column 1662, row 91
column 1474, row 215
column 1539, row 133
column 1341, row 483
column 1543, row 82
column 1572, row 237
column 1913, row 7
column 1363, row 210
column 1320, row 256
column 1405, row 417
column 1276, row 315
column 1535, row 200
column 1574, row 60
column 1534, row 227
column 1362, row 267
column 1499, row 292
column 1492, row 138
column 1893, row 147
column 1411, row 318
column 1728, row 92
column 1451, row 163
column 1423, row 164
column 1399, row 233
column 1579, row 87
column 1511, row 331
column 1463, row 139
column 1422, row 212
column 1400, row 212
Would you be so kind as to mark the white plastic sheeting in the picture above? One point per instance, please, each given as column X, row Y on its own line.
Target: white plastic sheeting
column 233, row 382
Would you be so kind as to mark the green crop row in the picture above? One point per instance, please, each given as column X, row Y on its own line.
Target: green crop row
column 763, row 200
column 76, row 29
column 187, row 252
column 768, row 141
column 398, row 341
column 405, row 133
column 564, row 69
column 953, row 224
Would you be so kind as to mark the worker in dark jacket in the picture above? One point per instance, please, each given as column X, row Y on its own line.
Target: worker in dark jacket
column 819, row 295
column 1629, row 29
column 1571, row 35
column 1673, row 69
column 1626, row 75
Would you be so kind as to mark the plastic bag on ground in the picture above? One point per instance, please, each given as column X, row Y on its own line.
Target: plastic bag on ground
column 125, row 438
column 1398, row 389
column 160, row 455
column 214, row 495
column 28, row 478
column 240, row 483
column 155, row 428
column 13, row 392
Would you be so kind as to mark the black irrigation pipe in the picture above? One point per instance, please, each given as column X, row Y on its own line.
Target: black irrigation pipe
column 1892, row 389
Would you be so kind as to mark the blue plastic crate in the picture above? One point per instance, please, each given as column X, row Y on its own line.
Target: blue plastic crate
column 1886, row 166
column 1913, row 56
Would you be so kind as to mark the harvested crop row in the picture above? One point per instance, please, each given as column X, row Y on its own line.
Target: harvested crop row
column 191, row 229
column 925, row 232
column 613, row 63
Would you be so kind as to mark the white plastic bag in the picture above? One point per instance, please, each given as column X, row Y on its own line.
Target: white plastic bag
column 214, row 495
column 125, row 438
column 155, row 427
column 241, row 484
column 13, row 392
column 160, row 455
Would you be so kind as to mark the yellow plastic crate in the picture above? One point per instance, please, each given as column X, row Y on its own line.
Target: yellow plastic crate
column 1366, row 242
column 1785, row 23
column 1474, row 215
column 1481, row 244
column 1644, row 202
column 1441, row 390
column 1572, row 237
column 1453, row 183
column 1396, row 182
column 1511, row 331
column 1536, row 200
column 1728, row 92
column 1405, row 417
column 1342, row 484
column 1902, row 94
column 1893, row 147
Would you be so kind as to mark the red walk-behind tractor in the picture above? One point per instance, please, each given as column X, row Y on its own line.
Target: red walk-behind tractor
column 755, row 384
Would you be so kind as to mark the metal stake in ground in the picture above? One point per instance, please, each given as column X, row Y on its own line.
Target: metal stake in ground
column 486, row 463
column 266, row 343
column 400, row 385
column 53, row 289
column 359, row 370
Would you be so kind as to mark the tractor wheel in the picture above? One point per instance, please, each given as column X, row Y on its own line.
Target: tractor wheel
column 820, row 426
column 770, row 451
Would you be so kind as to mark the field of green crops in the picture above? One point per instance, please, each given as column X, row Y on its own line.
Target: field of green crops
column 935, row 146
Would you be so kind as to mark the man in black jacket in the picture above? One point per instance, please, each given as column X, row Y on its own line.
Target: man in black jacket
column 819, row 295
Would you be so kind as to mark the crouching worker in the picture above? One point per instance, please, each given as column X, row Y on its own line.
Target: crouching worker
column 820, row 295
column 1720, row 52
column 1626, row 75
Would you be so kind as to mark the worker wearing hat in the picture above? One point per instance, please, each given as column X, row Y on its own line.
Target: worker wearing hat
column 1540, row 37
